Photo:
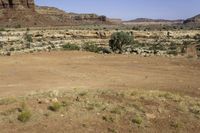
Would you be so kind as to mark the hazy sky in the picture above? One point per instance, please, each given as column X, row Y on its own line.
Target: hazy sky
column 129, row 9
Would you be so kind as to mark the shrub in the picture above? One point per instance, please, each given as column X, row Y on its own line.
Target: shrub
column 172, row 49
column 197, row 37
column 156, row 47
column 172, row 52
column 28, row 45
column 107, row 119
column 7, row 101
column 55, row 106
column 18, row 26
column 120, row 39
column 137, row 120
column 24, row 116
column 91, row 47
column 106, row 50
column 198, row 48
column 27, row 29
column 70, row 46
column 2, row 29
column 12, row 49
column 83, row 94
column 28, row 38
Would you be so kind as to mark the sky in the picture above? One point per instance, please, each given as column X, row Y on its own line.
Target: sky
column 129, row 9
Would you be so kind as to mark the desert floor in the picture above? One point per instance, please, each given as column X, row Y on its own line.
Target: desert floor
column 22, row 74
column 87, row 92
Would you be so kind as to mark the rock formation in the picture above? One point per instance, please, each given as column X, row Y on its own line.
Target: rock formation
column 193, row 21
column 24, row 13
column 70, row 18
column 17, row 4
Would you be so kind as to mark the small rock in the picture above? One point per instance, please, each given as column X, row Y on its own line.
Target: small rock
column 54, row 93
column 159, row 110
column 54, row 100
column 46, row 101
column 77, row 99
column 150, row 116
column 41, row 101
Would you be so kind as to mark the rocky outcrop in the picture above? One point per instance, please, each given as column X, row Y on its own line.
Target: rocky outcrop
column 193, row 21
column 17, row 4
column 65, row 18
column 24, row 13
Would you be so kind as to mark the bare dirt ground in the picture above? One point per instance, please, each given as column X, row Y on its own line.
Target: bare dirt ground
column 23, row 74
column 88, row 92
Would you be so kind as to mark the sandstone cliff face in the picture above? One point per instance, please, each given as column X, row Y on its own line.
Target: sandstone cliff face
column 17, row 4
column 17, row 13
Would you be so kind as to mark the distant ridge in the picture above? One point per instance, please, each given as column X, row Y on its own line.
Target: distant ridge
column 153, row 21
column 193, row 20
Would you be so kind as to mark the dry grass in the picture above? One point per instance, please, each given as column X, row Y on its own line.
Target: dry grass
column 135, row 107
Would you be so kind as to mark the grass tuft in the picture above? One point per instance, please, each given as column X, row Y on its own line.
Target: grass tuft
column 56, row 106
column 137, row 120
column 25, row 113
column 24, row 116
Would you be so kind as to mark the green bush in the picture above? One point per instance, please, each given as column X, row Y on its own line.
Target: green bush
column 91, row 47
column 172, row 52
column 197, row 37
column 2, row 29
column 156, row 47
column 24, row 116
column 198, row 48
column 172, row 49
column 28, row 45
column 120, row 39
column 56, row 106
column 12, row 49
column 70, row 46
column 137, row 120
column 28, row 38
column 18, row 26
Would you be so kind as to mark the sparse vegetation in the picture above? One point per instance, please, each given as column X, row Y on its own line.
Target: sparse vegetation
column 108, row 119
column 133, row 84
column 25, row 113
column 91, row 47
column 28, row 45
column 12, row 49
column 137, row 120
column 112, row 107
column 56, row 106
column 28, row 38
column 117, row 110
column 24, row 116
column 112, row 130
column 83, row 94
column 70, row 46
column 18, row 26
column 7, row 101
column 175, row 124
column 2, row 29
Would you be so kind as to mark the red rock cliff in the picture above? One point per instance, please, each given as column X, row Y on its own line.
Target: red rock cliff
column 17, row 4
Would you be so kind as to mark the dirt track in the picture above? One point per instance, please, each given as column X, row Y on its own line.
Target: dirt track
column 23, row 74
